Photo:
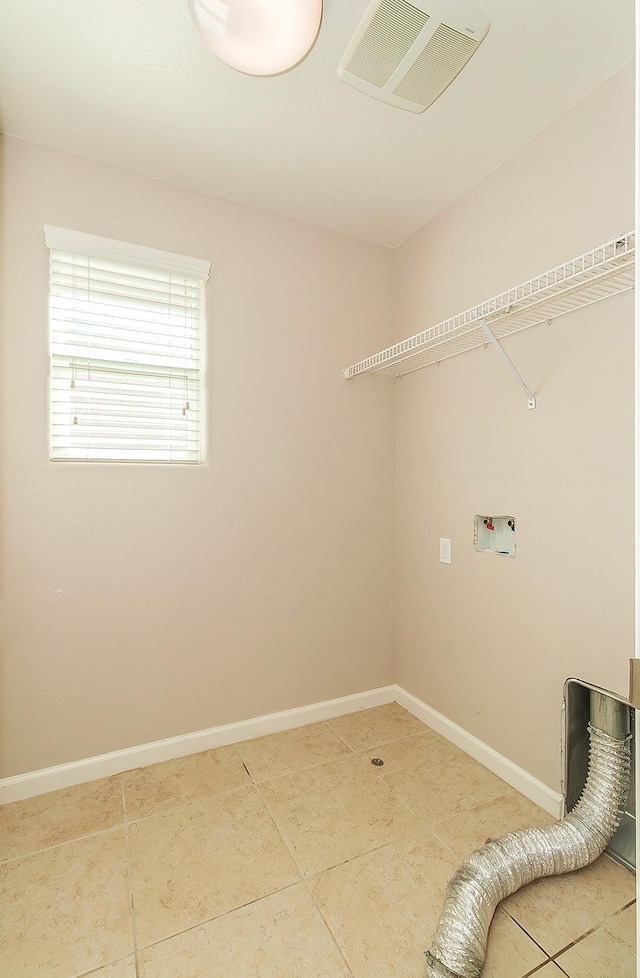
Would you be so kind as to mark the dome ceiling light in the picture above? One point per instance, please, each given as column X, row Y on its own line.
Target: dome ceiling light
column 258, row 37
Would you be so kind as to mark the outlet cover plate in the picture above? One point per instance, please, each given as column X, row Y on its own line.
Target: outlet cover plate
column 445, row 550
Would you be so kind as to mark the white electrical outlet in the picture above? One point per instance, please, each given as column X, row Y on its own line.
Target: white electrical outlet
column 445, row 550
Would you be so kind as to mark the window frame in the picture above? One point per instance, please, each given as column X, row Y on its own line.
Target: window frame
column 144, row 260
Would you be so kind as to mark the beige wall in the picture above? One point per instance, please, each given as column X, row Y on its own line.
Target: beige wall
column 489, row 641
column 143, row 602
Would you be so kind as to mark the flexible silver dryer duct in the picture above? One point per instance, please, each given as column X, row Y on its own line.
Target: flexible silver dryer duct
column 503, row 866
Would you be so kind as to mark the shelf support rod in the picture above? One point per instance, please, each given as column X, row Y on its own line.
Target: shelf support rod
column 531, row 401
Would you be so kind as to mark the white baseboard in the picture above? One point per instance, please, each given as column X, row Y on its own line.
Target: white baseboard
column 537, row 792
column 104, row 765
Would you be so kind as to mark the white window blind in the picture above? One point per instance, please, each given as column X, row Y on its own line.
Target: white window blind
column 127, row 336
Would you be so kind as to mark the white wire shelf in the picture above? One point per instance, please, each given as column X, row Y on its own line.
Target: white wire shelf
column 596, row 275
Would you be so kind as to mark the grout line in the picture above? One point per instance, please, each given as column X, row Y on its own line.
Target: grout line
column 59, row 845
column 432, row 825
column 124, row 799
column 107, row 964
column 284, row 732
column 530, row 936
column 522, row 927
column 280, row 832
column 490, row 801
column 337, row 759
column 307, row 767
column 383, row 743
column 560, row 968
column 403, row 804
column 219, row 916
column 350, row 859
column 313, row 873
column 538, row 968
column 557, row 954
column 339, row 735
column 305, row 881
column 130, row 880
column 341, row 952
column 401, row 801
column 455, row 858
column 592, row 930
column 216, row 916
column 190, row 804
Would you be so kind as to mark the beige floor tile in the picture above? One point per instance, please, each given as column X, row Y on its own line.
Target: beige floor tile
column 551, row 971
column 437, row 780
column 182, row 781
column 201, row 861
column 559, row 910
column 66, row 910
column 468, row 831
column 376, row 726
column 59, row 816
column 291, row 750
column 119, row 969
column 416, row 749
column 383, row 908
column 608, row 951
column 333, row 812
column 280, row 935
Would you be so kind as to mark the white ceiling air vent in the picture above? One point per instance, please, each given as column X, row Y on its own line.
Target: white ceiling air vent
column 406, row 54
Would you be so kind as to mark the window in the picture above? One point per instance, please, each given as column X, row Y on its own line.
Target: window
column 127, row 337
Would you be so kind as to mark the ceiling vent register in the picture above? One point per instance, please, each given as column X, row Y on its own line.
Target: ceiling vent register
column 407, row 54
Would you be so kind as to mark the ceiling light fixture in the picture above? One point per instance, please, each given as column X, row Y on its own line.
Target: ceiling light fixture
column 258, row 37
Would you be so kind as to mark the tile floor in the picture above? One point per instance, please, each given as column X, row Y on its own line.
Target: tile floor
column 291, row 856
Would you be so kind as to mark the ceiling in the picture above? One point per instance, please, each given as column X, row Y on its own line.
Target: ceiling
column 129, row 82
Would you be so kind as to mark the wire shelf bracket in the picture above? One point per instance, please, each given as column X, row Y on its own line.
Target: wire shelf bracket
column 531, row 401
column 600, row 273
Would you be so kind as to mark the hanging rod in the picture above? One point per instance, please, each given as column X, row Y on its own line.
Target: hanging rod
column 598, row 274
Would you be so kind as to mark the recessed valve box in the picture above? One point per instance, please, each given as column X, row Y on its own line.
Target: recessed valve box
column 495, row 535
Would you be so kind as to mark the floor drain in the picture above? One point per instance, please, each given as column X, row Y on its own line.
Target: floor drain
column 377, row 761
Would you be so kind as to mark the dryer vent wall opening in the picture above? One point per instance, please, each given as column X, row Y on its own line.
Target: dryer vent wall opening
column 407, row 54
column 505, row 865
